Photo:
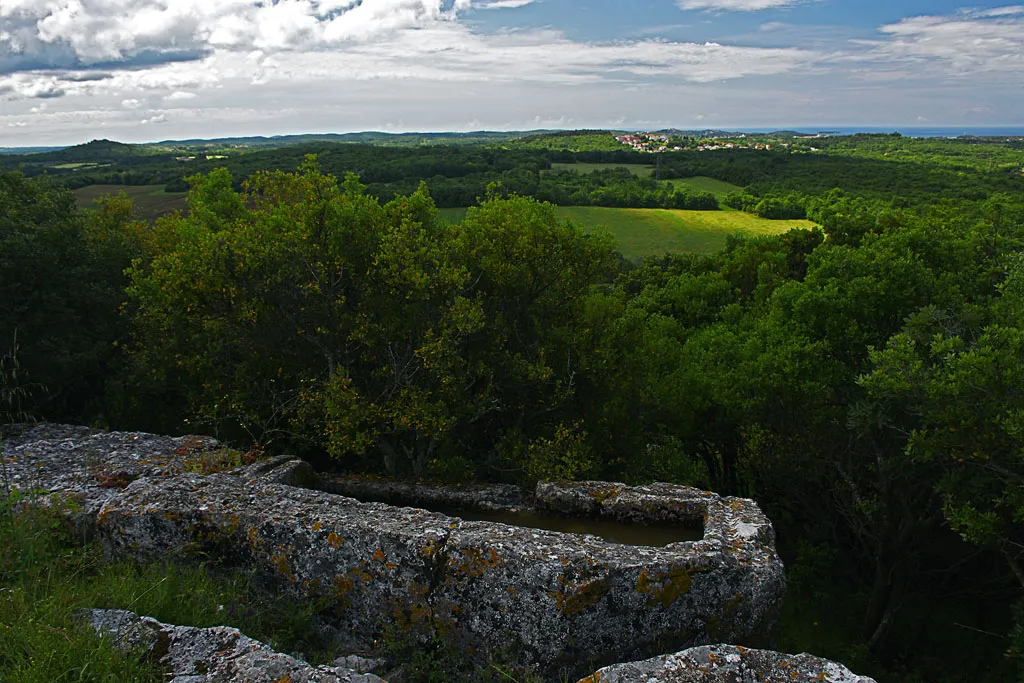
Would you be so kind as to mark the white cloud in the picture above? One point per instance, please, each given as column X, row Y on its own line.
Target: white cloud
column 970, row 43
column 441, row 52
column 737, row 5
column 1000, row 11
column 331, row 39
column 333, row 65
column 82, row 32
column 507, row 4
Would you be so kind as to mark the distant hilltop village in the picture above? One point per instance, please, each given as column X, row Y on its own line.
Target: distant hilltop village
column 662, row 142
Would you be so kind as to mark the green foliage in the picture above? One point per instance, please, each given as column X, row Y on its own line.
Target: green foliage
column 384, row 335
column 13, row 391
column 60, row 290
column 41, row 638
column 571, row 141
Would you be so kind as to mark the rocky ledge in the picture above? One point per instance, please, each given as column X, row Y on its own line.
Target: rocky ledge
column 200, row 655
column 551, row 602
column 727, row 664
column 88, row 467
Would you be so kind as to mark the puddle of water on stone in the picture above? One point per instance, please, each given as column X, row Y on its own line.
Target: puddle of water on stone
column 656, row 536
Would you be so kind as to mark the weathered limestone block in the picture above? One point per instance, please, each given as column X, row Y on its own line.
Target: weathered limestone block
column 475, row 496
column 569, row 600
column 373, row 564
column 544, row 599
column 727, row 664
column 88, row 467
column 221, row 654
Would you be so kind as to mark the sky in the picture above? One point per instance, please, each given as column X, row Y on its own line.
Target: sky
column 148, row 70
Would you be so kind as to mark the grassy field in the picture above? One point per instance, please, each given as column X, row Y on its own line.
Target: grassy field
column 705, row 184
column 79, row 166
column 636, row 169
column 150, row 200
column 637, row 232
column 700, row 183
column 652, row 232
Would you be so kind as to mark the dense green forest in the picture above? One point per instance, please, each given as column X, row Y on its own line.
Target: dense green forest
column 459, row 169
column 861, row 380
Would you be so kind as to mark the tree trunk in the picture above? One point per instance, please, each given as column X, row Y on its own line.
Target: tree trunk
column 390, row 458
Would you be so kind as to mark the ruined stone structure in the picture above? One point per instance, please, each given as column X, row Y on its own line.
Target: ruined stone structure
column 549, row 601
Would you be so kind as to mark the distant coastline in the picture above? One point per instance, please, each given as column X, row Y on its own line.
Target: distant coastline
column 905, row 131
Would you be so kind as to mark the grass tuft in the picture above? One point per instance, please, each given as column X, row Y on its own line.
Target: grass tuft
column 48, row 576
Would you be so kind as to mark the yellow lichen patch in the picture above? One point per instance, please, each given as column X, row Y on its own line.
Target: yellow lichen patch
column 279, row 561
column 254, row 540
column 473, row 562
column 602, row 493
column 593, row 678
column 343, row 586
column 334, row 540
column 364, row 576
column 284, row 679
column 666, row 587
column 571, row 603
column 413, row 614
column 317, row 526
column 379, row 555
column 430, row 549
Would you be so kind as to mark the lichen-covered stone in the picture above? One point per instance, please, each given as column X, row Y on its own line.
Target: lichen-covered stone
column 398, row 492
column 87, row 467
column 208, row 655
column 372, row 564
column 543, row 599
column 727, row 664
column 569, row 600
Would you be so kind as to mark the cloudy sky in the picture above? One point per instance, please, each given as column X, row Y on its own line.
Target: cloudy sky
column 143, row 70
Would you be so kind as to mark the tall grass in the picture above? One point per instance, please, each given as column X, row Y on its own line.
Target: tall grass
column 48, row 576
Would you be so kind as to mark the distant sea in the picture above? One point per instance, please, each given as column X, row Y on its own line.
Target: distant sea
column 907, row 131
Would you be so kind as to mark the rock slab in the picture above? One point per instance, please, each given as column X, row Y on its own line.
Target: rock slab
column 551, row 602
column 727, row 664
column 544, row 600
column 61, row 464
column 208, row 655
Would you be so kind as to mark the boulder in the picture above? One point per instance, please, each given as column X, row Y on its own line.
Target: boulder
column 221, row 654
column 544, row 600
column 727, row 664
column 557, row 603
column 87, row 467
